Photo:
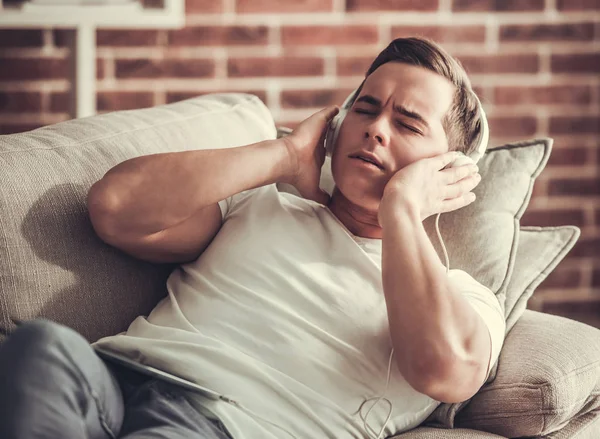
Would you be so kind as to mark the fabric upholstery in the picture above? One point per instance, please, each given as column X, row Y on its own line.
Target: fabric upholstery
column 548, row 376
column 539, row 251
column 582, row 427
column 52, row 264
column 435, row 433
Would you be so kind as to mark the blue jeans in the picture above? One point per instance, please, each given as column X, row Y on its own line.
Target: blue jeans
column 53, row 385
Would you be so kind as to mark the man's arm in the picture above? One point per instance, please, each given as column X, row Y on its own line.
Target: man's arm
column 163, row 207
column 442, row 346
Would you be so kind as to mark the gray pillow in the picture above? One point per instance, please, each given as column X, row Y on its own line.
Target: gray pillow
column 539, row 252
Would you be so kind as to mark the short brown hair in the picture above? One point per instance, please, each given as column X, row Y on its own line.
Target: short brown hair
column 462, row 123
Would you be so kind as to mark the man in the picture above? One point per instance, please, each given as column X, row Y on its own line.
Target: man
column 297, row 309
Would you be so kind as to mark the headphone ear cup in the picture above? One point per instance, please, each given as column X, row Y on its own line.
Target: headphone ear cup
column 333, row 131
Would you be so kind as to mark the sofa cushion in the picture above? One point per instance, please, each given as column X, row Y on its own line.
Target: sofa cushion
column 52, row 264
column 548, row 375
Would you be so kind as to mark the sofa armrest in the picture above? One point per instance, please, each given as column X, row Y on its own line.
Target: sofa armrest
column 548, row 374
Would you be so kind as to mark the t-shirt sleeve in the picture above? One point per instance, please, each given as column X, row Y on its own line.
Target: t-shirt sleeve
column 486, row 304
column 228, row 204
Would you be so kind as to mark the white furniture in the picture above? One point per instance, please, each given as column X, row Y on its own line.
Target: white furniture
column 83, row 20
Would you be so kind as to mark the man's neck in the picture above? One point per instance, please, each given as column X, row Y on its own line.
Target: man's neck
column 358, row 220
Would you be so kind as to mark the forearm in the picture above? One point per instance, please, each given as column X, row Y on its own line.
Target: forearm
column 154, row 192
column 436, row 334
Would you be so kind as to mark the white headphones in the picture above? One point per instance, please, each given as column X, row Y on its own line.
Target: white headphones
column 333, row 132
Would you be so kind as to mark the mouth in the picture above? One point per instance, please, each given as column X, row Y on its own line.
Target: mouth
column 368, row 159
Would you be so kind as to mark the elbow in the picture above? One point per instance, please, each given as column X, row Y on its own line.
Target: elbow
column 102, row 207
column 449, row 381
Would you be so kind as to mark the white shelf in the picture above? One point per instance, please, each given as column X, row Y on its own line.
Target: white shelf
column 84, row 20
column 65, row 16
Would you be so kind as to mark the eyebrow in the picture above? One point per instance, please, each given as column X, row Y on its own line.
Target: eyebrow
column 371, row 100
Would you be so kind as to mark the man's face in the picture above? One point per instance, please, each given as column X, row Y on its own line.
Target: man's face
column 398, row 118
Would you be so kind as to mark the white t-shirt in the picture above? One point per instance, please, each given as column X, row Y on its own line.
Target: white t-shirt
column 284, row 312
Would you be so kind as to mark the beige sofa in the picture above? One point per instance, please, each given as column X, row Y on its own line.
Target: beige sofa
column 547, row 380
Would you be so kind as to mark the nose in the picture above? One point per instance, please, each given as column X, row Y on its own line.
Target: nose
column 377, row 131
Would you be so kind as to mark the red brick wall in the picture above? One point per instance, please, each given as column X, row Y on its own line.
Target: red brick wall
column 535, row 63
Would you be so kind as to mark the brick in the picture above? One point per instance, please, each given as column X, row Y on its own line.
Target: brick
column 219, row 36
column 391, row 5
column 313, row 98
column 21, row 38
column 568, row 157
column 586, row 247
column 577, row 5
column 203, row 6
column 586, row 312
column 540, row 187
column 121, row 100
column 99, row 68
column 13, row 128
column 574, row 125
column 497, row 5
column 329, row 35
column 20, row 101
column 443, row 34
column 511, row 127
column 547, row 32
column 59, row 102
column 19, row 69
column 596, row 277
column 288, row 6
column 575, row 63
column 353, row 66
column 60, row 37
column 553, row 217
column 563, row 278
column 493, row 64
column 176, row 96
column 127, row 38
column 276, row 66
column 168, row 68
column 543, row 95
column 580, row 187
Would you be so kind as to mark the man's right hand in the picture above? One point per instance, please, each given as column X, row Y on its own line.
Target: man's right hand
column 306, row 151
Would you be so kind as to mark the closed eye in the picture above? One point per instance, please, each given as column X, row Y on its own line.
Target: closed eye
column 361, row 111
column 409, row 127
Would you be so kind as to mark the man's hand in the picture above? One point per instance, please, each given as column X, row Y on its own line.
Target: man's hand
column 307, row 154
column 429, row 188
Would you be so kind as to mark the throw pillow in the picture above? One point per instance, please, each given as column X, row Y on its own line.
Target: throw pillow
column 539, row 252
column 52, row 264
